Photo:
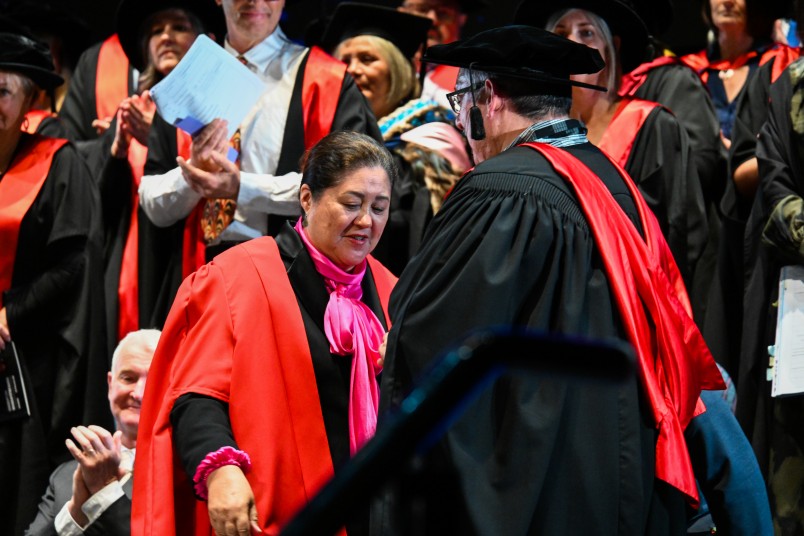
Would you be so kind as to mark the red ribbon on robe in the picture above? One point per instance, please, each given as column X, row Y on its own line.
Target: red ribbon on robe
column 781, row 55
column 111, row 78
column 619, row 137
column 673, row 360
column 128, row 318
column 18, row 189
column 33, row 119
column 632, row 81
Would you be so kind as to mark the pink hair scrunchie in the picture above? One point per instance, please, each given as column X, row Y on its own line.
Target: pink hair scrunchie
column 214, row 460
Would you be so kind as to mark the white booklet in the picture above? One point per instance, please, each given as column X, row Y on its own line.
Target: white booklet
column 208, row 83
column 788, row 369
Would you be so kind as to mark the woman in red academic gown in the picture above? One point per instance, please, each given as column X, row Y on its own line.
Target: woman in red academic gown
column 50, row 307
column 265, row 377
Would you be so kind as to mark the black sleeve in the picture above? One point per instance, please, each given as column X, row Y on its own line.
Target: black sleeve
column 162, row 147
column 679, row 89
column 200, row 426
column 752, row 111
column 353, row 111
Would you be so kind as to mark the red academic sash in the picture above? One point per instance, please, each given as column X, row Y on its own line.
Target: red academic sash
column 321, row 89
column 128, row 318
column 632, row 81
column 277, row 390
column 444, row 76
column 618, row 140
column 111, row 78
column 33, row 119
column 673, row 360
column 18, row 189
column 782, row 55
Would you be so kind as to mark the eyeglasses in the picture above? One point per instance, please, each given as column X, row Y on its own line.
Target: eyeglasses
column 456, row 96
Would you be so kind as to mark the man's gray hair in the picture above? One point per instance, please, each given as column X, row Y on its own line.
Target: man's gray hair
column 525, row 96
column 142, row 342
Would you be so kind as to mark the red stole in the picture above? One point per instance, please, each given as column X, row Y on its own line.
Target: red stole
column 18, row 189
column 321, row 89
column 782, row 55
column 632, row 81
column 618, row 140
column 236, row 334
column 111, row 78
column 33, row 119
column 444, row 76
column 128, row 317
column 673, row 360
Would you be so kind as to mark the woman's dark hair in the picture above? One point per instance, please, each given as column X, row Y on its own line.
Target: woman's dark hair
column 338, row 154
column 150, row 76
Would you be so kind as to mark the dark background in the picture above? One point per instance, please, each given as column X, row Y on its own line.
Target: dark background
column 686, row 34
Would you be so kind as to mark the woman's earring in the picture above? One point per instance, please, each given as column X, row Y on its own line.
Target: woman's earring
column 304, row 219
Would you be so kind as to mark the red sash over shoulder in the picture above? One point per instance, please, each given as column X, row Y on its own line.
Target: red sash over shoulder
column 33, row 119
column 618, row 140
column 321, row 90
column 632, row 81
column 781, row 55
column 111, row 78
column 235, row 333
column 673, row 360
column 18, row 189
column 444, row 76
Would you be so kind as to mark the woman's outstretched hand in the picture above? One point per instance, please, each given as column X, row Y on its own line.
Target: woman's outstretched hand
column 230, row 502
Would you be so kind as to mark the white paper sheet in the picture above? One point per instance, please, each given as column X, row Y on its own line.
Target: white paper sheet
column 788, row 369
column 208, row 83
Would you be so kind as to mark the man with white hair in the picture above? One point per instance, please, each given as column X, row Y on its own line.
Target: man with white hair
column 91, row 494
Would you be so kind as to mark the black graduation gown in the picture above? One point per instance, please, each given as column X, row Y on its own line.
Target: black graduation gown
column 663, row 169
column 201, row 424
column 774, row 425
column 55, row 315
column 511, row 246
column 679, row 89
column 723, row 323
column 79, row 109
column 160, row 269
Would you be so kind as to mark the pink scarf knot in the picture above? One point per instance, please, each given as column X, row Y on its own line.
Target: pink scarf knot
column 353, row 329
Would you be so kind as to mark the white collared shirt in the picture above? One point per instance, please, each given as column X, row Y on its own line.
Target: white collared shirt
column 168, row 198
column 94, row 507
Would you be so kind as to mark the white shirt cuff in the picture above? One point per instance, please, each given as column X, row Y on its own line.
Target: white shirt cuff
column 93, row 508
column 167, row 198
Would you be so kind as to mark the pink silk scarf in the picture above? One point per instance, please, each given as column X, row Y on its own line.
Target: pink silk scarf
column 352, row 329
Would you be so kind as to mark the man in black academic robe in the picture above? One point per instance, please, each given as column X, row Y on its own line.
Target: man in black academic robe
column 512, row 246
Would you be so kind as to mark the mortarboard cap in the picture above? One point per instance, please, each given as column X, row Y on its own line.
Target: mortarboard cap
column 622, row 20
column 20, row 54
column 132, row 14
column 523, row 52
column 407, row 32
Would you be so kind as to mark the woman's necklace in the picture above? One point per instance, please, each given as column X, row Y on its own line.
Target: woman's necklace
column 725, row 74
